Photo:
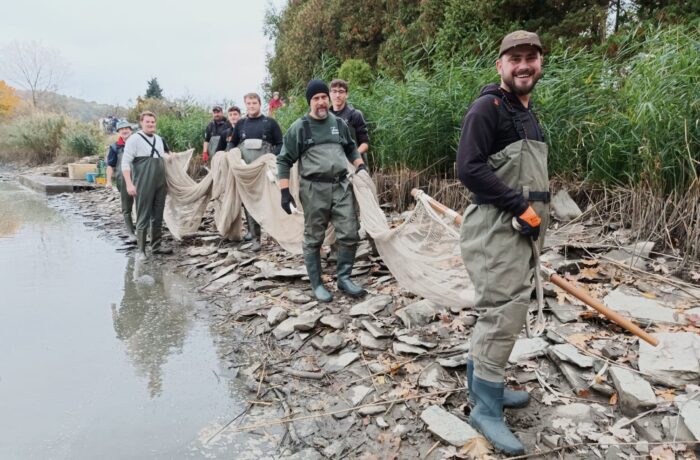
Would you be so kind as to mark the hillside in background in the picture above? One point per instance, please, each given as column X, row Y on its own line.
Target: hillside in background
column 75, row 107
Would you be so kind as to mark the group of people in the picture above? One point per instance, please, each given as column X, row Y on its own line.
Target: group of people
column 501, row 159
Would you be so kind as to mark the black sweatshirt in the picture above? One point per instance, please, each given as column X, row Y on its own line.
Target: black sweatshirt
column 356, row 121
column 261, row 127
column 488, row 128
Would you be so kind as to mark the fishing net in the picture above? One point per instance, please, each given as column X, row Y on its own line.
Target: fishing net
column 422, row 253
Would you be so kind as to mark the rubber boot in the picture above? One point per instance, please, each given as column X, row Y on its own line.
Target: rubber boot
column 250, row 222
column 141, row 243
column 346, row 259
column 130, row 233
column 487, row 417
column 312, row 260
column 157, row 242
column 511, row 399
column 255, row 247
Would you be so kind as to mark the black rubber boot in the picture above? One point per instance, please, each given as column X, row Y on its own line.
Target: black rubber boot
column 487, row 417
column 312, row 260
column 511, row 399
column 253, row 228
column 141, row 242
column 346, row 259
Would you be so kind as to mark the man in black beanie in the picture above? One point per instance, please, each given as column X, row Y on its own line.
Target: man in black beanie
column 323, row 146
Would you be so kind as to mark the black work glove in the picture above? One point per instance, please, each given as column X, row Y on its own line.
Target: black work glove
column 287, row 200
column 362, row 167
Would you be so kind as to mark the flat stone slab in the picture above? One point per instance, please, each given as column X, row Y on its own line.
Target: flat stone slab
column 527, row 348
column 417, row 341
column 358, row 393
column 418, row 313
column 371, row 306
column 674, row 362
column 635, row 393
column 376, row 331
column 448, row 427
column 367, row 341
column 304, row 322
column 276, row 315
column 334, row 321
column 690, row 412
column 54, row 185
column 675, row 429
column 569, row 353
column 406, row 349
column 336, row 363
column 641, row 308
column 577, row 412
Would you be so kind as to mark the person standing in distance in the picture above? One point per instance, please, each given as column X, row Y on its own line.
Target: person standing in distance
column 215, row 134
column 144, row 174
column 322, row 145
column 502, row 160
column 115, row 176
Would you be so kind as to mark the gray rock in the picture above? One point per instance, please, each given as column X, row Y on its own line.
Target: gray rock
column 367, row 341
column 674, row 362
column 577, row 412
column 648, row 430
column 332, row 342
column 276, row 315
column 404, row 348
column 418, row 313
column 569, row 353
column 334, row 321
column 690, row 412
column 336, row 363
column 358, row 393
column 372, row 410
column 371, row 306
column 453, row 361
column 381, row 423
column 417, row 341
column 276, row 292
column 447, row 427
column 264, row 285
column 566, row 313
column 633, row 254
column 676, row 430
column 434, row 376
column 377, row 332
column 551, row 440
column 304, row 322
column 527, row 348
column 642, row 447
column 563, row 207
column 297, row 297
column 635, row 394
column 641, row 308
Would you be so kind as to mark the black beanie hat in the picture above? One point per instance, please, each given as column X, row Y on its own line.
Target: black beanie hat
column 314, row 87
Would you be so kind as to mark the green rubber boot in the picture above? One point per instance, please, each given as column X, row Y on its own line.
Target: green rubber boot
column 511, row 399
column 346, row 259
column 312, row 260
column 487, row 417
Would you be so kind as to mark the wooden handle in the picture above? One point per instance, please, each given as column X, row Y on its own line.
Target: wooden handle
column 612, row 315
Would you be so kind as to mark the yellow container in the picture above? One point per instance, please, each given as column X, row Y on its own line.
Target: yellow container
column 101, row 180
column 78, row 170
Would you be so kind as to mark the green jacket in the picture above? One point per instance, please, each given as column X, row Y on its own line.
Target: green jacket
column 331, row 130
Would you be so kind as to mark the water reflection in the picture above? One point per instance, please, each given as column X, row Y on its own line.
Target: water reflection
column 152, row 319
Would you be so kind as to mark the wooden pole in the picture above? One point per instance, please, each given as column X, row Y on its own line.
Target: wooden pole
column 612, row 315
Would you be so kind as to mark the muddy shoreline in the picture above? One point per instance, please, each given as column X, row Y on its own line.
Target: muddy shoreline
column 359, row 380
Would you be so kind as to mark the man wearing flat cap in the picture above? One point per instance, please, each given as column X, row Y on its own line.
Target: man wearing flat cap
column 215, row 134
column 323, row 145
column 502, row 160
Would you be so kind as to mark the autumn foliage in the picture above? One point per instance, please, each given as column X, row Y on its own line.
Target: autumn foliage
column 9, row 101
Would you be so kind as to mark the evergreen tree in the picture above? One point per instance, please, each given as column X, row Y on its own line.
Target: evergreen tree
column 154, row 91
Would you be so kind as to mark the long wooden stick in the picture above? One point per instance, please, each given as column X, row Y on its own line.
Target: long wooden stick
column 612, row 315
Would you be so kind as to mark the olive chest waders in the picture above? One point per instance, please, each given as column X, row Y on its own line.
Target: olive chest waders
column 151, row 189
column 326, row 195
column 500, row 264
column 127, row 201
column 251, row 150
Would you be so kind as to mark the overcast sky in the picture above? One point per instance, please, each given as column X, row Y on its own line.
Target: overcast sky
column 211, row 50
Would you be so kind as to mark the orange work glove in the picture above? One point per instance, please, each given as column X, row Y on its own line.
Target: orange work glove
column 528, row 223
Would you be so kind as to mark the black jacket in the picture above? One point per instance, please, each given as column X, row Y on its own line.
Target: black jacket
column 261, row 127
column 356, row 122
column 487, row 128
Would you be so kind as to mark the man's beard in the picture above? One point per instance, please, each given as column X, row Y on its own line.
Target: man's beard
column 521, row 90
column 321, row 112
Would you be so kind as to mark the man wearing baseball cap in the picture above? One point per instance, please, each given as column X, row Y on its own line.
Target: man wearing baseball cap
column 215, row 134
column 114, row 176
column 322, row 144
column 502, row 160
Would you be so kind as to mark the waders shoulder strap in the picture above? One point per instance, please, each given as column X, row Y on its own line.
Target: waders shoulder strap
column 154, row 151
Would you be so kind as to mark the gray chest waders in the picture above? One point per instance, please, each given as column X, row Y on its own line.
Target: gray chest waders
column 251, row 150
column 127, row 201
column 151, row 189
column 213, row 145
column 499, row 260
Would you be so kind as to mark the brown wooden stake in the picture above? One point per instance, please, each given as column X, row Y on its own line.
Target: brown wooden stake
column 612, row 315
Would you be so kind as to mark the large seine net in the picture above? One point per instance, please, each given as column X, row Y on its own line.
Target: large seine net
column 422, row 253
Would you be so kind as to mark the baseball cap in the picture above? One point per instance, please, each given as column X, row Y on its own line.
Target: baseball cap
column 517, row 38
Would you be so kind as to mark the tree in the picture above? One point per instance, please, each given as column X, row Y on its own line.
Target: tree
column 154, row 91
column 8, row 99
column 34, row 67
